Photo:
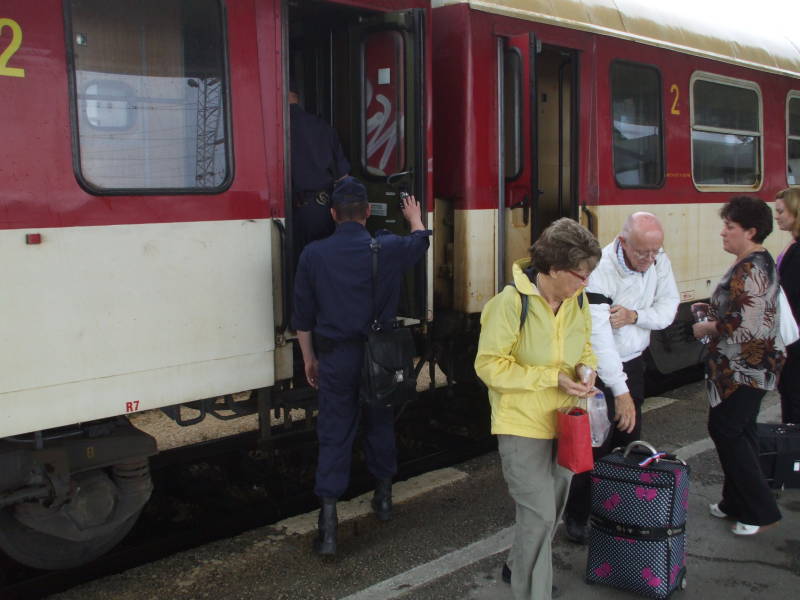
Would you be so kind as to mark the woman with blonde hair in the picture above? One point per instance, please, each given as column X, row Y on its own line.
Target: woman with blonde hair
column 787, row 206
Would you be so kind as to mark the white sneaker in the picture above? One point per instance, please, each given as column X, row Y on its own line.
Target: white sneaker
column 744, row 529
column 716, row 512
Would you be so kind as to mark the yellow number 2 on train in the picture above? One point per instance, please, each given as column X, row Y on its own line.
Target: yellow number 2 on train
column 673, row 89
column 16, row 42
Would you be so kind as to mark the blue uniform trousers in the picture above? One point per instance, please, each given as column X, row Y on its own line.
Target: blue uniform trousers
column 339, row 415
column 312, row 222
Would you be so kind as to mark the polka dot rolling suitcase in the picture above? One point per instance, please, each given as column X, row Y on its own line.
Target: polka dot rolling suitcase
column 637, row 536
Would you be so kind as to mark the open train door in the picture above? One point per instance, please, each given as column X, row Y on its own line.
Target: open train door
column 537, row 90
column 388, row 145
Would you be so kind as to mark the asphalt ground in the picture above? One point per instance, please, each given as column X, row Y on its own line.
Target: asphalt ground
column 451, row 533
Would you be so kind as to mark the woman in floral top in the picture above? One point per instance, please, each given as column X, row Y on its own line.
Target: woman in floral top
column 745, row 355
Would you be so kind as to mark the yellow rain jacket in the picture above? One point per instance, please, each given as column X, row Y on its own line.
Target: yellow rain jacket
column 521, row 367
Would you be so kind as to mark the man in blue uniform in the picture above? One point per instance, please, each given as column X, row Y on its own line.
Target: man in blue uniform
column 333, row 299
column 317, row 162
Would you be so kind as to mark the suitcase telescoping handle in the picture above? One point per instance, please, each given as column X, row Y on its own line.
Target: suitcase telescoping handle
column 641, row 443
column 655, row 455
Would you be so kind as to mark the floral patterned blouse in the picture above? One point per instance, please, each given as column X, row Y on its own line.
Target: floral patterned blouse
column 749, row 350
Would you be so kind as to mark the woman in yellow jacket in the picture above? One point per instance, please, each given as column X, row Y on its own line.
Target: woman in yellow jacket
column 530, row 369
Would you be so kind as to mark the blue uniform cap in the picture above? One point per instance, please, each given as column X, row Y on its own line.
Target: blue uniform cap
column 349, row 189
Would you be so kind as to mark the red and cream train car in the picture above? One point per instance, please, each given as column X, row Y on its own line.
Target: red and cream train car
column 145, row 210
column 145, row 225
column 593, row 109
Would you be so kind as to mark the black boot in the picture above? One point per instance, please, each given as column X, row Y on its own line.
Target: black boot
column 382, row 499
column 326, row 539
column 576, row 530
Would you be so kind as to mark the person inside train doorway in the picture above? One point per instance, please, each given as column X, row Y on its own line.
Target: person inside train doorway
column 318, row 161
column 631, row 293
column 333, row 299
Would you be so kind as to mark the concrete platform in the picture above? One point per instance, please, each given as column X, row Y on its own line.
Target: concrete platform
column 451, row 533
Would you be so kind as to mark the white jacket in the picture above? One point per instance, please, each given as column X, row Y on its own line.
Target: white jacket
column 652, row 294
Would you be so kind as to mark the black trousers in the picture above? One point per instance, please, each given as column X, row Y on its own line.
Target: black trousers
column 732, row 426
column 789, row 385
column 579, row 502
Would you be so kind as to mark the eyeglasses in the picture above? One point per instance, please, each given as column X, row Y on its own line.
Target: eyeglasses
column 583, row 278
column 642, row 254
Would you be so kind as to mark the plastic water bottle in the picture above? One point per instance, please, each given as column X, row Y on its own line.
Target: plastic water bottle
column 598, row 417
column 701, row 316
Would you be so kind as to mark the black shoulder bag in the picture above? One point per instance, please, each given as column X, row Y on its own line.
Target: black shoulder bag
column 387, row 377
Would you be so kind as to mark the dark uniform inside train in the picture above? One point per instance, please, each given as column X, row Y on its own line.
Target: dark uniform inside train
column 317, row 162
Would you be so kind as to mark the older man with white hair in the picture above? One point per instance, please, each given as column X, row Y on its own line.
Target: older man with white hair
column 631, row 293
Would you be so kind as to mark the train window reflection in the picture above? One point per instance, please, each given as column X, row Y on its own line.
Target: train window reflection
column 793, row 141
column 150, row 94
column 108, row 106
column 726, row 132
column 637, row 131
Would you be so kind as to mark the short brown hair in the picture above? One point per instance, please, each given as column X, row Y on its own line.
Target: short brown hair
column 564, row 245
column 749, row 213
column 791, row 200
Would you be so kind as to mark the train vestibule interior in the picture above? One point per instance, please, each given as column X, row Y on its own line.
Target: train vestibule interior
column 357, row 70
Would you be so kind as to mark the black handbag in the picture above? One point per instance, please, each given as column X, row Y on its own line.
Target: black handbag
column 387, row 377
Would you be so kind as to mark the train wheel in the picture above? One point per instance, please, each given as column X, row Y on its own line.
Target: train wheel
column 71, row 531
column 43, row 551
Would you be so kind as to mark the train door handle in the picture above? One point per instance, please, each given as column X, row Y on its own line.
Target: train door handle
column 524, row 203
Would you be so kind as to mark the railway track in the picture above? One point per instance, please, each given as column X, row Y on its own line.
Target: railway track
column 217, row 490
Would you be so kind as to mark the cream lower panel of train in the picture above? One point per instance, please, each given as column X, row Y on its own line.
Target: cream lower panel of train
column 99, row 321
column 692, row 242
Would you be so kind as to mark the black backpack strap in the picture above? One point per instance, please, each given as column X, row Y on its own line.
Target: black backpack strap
column 599, row 298
column 374, row 246
column 524, row 312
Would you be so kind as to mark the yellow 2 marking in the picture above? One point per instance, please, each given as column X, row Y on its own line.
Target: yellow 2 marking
column 13, row 46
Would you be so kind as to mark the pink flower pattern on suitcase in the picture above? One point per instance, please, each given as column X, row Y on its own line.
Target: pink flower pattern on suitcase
column 646, row 494
column 612, row 502
column 651, row 579
column 603, row 570
column 648, row 477
column 673, row 574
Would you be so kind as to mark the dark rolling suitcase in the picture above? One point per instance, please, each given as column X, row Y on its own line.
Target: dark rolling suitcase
column 637, row 536
column 779, row 453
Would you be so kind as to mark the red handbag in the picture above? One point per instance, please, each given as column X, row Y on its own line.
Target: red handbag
column 574, row 440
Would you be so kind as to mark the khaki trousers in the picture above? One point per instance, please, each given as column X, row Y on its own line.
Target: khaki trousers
column 539, row 487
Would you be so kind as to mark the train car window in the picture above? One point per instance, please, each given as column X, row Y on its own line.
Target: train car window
column 793, row 138
column 384, row 109
column 637, row 131
column 149, row 93
column 726, row 132
column 512, row 112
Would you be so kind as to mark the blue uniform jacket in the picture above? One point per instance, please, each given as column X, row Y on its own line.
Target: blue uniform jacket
column 317, row 155
column 333, row 284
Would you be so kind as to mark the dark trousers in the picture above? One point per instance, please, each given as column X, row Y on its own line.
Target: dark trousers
column 311, row 222
column 732, row 427
column 789, row 385
column 337, row 423
column 579, row 502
